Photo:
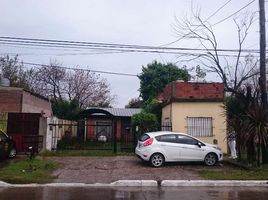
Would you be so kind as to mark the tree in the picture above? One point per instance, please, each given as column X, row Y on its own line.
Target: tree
column 13, row 70
column 66, row 89
column 50, row 81
column 256, row 129
column 234, row 72
column 66, row 109
column 61, row 85
column 155, row 76
column 88, row 88
column 134, row 103
column 145, row 122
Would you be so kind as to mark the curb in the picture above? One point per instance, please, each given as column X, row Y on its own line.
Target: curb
column 149, row 183
column 120, row 183
column 4, row 184
column 213, row 183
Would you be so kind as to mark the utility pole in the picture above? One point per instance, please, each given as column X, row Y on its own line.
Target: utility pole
column 262, row 80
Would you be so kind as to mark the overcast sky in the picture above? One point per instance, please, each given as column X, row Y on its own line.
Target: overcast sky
column 143, row 22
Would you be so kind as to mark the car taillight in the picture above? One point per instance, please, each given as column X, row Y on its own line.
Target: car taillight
column 148, row 142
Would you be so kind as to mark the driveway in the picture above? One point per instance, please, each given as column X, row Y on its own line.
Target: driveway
column 109, row 169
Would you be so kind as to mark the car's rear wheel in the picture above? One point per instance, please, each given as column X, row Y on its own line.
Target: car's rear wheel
column 211, row 159
column 157, row 160
column 12, row 153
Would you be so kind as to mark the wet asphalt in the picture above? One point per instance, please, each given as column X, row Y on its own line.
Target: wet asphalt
column 133, row 193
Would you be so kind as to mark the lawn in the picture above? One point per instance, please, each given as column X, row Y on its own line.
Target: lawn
column 24, row 171
column 260, row 173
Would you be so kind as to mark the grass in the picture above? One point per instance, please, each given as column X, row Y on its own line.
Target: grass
column 24, row 171
column 98, row 153
column 260, row 173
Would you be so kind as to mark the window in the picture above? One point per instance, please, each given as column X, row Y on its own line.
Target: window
column 167, row 138
column 144, row 137
column 199, row 126
column 187, row 140
column 104, row 128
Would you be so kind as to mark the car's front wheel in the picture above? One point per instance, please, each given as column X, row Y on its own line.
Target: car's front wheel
column 211, row 159
column 157, row 160
column 12, row 153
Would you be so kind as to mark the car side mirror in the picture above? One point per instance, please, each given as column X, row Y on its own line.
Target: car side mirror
column 199, row 144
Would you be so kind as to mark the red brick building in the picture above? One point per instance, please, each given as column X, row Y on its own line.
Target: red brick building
column 192, row 91
column 23, row 115
column 18, row 100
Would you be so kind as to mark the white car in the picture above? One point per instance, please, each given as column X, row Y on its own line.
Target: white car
column 163, row 146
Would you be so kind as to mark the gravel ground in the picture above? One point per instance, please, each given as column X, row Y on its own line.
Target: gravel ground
column 109, row 169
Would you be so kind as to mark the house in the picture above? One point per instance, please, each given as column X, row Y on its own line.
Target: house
column 23, row 115
column 196, row 109
column 102, row 123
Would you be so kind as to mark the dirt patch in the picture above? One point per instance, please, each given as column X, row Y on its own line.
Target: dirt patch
column 109, row 169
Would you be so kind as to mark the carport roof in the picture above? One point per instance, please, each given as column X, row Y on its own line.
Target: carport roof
column 118, row 112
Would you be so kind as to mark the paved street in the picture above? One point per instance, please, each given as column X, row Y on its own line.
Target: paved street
column 135, row 193
column 109, row 169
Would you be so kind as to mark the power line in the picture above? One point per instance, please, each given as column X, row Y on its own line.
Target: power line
column 233, row 13
column 79, row 54
column 106, row 46
column 219, row 9
column 213, row 14
column 222, row 20
column 75, row 69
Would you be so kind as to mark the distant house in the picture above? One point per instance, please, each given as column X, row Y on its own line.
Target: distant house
column 23, row 114
column 103, row 122
column 196, row 109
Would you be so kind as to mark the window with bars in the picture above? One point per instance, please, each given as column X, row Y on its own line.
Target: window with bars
column 200, row 126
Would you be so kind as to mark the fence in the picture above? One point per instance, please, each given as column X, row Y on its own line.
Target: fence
column 100, row 135
column 105, row 135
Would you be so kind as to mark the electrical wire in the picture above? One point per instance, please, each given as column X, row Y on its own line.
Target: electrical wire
column 75, row 69
column 107, row 46
column 233, row 14
column 220, row 21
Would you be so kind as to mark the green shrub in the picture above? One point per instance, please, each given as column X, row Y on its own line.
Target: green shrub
column 69, row 143
column 146, row 122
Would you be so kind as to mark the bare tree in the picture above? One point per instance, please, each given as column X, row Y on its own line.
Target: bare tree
column 88, row 88
column 234, row 74
column 13, row 70
column 58, row 83
column 49, row 81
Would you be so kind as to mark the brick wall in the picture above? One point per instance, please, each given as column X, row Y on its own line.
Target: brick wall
column 10, row 99
column 191, row 91
column 34, row 104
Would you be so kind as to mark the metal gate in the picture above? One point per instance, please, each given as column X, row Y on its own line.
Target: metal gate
column 102, row 135
column 79, row 136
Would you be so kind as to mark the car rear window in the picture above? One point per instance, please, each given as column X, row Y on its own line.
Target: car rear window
column 144, row 137
column 167, row 138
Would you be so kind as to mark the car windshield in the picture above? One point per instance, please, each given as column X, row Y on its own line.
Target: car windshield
column 144, row 137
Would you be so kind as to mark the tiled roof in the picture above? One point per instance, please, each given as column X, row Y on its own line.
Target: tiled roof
column 119, row 112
